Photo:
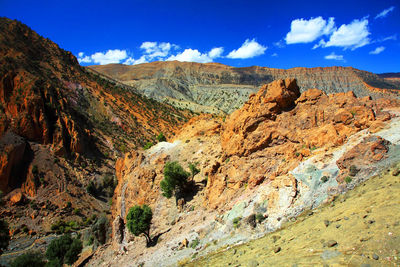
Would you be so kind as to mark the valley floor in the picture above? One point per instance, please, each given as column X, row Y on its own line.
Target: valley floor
column 359, row 228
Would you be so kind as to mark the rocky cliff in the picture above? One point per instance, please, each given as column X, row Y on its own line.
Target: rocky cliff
column 214, row 87
column 62, row 128
column 280, row 154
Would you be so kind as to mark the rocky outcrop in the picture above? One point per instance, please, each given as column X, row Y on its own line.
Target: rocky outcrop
column 245, row 130
column 71, row 124
column 12, row 156
column 214, row 87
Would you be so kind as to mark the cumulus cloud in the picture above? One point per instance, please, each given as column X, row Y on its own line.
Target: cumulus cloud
column 377, row 50
column 306, row 31
column 353, row 35
column 111, row 56
column 194, row 55
column 157, row 50
column 132, row 61
column 249, row 49
column 83, row 59
column 385, row 12
column 216, row 52
column 274, row 55
column 333, row 56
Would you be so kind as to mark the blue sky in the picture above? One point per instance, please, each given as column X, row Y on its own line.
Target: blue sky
column 278, row 34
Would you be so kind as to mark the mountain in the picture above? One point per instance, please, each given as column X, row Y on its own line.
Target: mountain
column 283, row 154
column 61, row 129
column 393, row 78
column 213, row 87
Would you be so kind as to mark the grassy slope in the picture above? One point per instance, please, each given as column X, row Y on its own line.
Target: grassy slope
column 364, row 222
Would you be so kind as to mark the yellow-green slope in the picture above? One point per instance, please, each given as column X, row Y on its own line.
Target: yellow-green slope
column 364, row 222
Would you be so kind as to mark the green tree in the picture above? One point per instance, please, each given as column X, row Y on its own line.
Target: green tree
column 139, row 221
column 175, row 178
column 64, row 249
column 4, row 236
column 29, row 259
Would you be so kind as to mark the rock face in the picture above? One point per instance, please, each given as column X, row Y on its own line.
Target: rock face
column 245, row 131
column 12, row 155
column 62, row 127
column 214, row 87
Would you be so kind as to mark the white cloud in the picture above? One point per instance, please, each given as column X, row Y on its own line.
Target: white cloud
column 333, row 56
column 385, row 12
column 132, row 61
column 216, row 52
column 377, row 50
column 83, row 59
column 248, row 49
column 279, row 44
column 194, row 55
column 391, row 37
column 306, row 31
column 274, row 55
column 111, row 56
column 353, row 35
column 157, row 50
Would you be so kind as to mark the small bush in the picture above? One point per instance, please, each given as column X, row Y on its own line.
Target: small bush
column 4, row 236
column 29, row 259
column 148, row 145
column 64, row 249
column 260, row 217
column 236, row 222
column 348, row 179
column 195, row 243
column 91, row 188
column 324, row 179
column 353, row 170
column 161, row 138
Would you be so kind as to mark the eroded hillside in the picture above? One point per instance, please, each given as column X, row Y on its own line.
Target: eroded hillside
column 61, row 129
column 282, row 153
column 215, row 88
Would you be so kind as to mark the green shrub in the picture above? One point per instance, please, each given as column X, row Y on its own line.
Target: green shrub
column 139, row 221
column 236, row 222
column 161, row 138
column 195, row 243
column 4, row 236
column 91, row 188
column 64, row 249
column 175, row 178
column 29, row 259
column 348, row 179
column 99, row 230
column 324, row 179
column 148, row 145
column 260, row 217
column 353, row 170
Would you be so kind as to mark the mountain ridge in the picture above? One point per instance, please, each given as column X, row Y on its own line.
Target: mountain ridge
column 222, row 88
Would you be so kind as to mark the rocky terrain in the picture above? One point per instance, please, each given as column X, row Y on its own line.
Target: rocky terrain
column 217, row 88
column 61, row 129
column 281, row 154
